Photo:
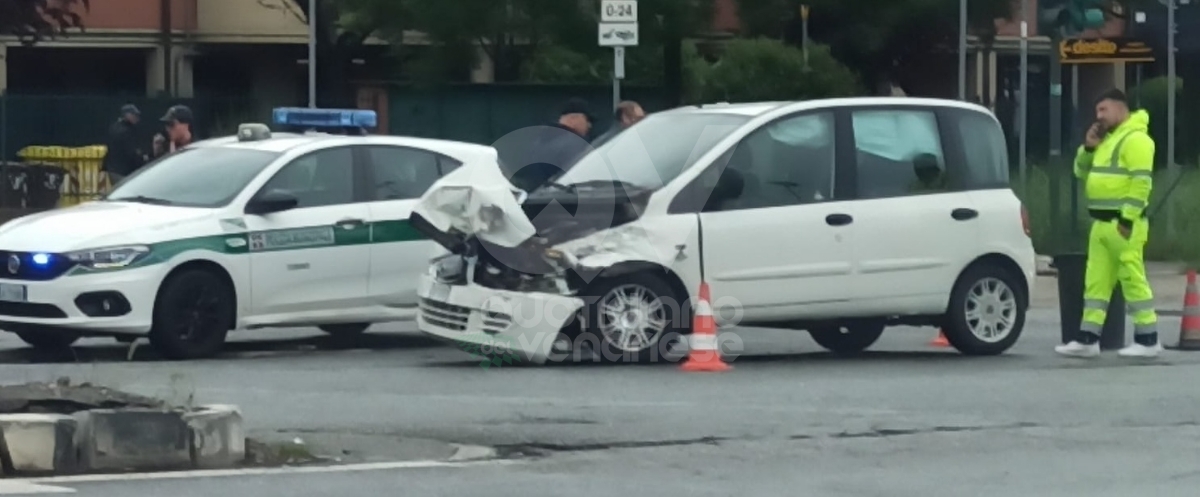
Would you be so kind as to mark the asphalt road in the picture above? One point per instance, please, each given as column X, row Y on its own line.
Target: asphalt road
column 906, row 419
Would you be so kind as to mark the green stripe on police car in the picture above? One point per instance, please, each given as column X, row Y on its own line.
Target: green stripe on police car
column 301, row 238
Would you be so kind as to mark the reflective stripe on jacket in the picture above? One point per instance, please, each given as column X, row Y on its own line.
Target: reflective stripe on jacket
column 1119, row 172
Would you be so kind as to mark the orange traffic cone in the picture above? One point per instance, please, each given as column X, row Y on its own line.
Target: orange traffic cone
column 704, row 355
column 940, row 341
column 1189, row 328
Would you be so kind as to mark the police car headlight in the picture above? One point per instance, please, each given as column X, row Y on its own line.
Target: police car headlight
column 109, row 257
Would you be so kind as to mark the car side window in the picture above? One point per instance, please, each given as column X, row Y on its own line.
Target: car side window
column 899, row 153
column 984, row 149
column 324, row 177
column 401, row 173
column 787, row 162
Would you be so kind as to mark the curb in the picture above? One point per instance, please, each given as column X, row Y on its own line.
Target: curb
column 109, row 440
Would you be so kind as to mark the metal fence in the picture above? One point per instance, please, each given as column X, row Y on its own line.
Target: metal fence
column 484, row 113
column 51, row 146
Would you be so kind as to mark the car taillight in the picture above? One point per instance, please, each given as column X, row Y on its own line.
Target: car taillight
column 1025, row 220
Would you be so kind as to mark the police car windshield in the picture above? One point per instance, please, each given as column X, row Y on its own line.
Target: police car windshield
column 194, row 177
column 654, row 151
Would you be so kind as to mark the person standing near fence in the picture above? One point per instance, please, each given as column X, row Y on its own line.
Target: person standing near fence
column 123, row 156
column 1116, row 162
column 178, row 123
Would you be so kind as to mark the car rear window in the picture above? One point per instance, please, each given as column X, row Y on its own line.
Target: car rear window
column 985, row 150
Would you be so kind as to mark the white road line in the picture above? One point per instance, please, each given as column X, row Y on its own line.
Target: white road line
column 253, row 472
column 19, row 487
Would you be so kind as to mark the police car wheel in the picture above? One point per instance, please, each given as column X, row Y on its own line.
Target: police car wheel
column 848, row 338
column 987, row 310
column 192, row 315
column 48, row 339
column 349, row 329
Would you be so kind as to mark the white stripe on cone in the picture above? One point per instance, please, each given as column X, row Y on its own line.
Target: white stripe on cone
column 704, row 342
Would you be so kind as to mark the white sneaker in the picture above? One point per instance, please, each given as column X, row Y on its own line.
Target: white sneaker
column 1076, row 349
column 1139, row 350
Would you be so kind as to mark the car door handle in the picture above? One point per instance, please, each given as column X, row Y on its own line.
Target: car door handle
column 838, row 219
column 349, row 223
column 964, row 214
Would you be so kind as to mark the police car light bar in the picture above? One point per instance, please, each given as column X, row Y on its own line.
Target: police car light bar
column 325, row 118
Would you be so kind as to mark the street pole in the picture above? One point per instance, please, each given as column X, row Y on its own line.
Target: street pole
column 962, row 50
column 1056, row 166
column 804, row 33
column 312, row 54
column 618, row 73
column 1076, row 137
column 1023, row 109
column 1171, row 85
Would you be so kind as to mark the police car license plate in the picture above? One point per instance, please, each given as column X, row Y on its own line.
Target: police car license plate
column 439, row 292
column 12, row 293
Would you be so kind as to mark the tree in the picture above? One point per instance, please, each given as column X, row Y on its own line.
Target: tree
column 32, row 21
column 875, row 37
column 510, row 32
column 768, row 70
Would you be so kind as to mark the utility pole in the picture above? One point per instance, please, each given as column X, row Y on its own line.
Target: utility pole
column 1023, row 105
column 962, row 50
column 1171, row 28
column 804, row 33
column 312, row 54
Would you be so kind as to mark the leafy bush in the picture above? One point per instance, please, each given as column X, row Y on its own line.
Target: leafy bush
column 1174, row 227
column 764, row 69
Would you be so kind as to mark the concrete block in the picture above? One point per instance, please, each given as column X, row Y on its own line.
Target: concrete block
column 133, row 439
column 39, row 443
column 218, row 439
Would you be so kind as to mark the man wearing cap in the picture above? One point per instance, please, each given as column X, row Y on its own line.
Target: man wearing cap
column 559, row 147
column 178, row 124
column 123, row 156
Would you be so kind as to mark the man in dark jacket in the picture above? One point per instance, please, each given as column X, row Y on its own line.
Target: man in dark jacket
column 123, row 156
column 558, row 147
column 627, row 114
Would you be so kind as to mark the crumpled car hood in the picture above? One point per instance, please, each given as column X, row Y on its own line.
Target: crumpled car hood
column 476, row 200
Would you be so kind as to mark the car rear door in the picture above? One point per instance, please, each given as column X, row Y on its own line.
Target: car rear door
column 313, row 258
column 918, row 226
column 395, row 179
column 783, row 241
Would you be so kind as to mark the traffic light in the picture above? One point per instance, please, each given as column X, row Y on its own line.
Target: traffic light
column 1070, row 16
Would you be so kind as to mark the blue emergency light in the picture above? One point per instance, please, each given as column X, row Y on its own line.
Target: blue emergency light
column 325, row 118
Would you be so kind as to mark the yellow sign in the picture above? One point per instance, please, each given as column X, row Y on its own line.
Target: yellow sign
column 1104, row 51
column 804, row 12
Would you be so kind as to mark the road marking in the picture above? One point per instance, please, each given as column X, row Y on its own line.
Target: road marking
column 19, row 487
column 167, row 475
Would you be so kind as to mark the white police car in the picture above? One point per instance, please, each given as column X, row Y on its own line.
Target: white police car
column 249, row 231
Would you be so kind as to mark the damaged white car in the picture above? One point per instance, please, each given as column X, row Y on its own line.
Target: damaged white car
column 840, row 217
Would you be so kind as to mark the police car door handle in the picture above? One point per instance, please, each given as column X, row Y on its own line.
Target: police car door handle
column 838, row 219
column 349, row 223
column 964, row 214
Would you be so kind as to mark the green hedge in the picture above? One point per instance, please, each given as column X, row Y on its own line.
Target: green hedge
column 1174, row 229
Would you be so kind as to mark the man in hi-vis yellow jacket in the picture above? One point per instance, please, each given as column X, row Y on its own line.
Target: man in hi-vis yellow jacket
column 1116, row 162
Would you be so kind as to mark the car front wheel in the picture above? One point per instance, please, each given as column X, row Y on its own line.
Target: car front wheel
column 987, row 311
column 192, row 315
column 634, row 317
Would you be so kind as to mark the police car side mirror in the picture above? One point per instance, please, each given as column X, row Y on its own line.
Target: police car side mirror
column 271, row 201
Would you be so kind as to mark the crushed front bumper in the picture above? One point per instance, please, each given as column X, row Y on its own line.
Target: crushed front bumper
column 496, row 323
